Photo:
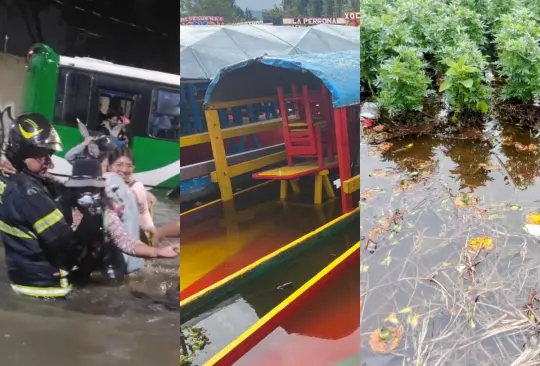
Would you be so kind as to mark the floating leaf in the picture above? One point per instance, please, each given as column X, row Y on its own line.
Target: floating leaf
column 392, row 318
column 385, row 340
column 494, row 216
column 533, row 218
column 515, row 208
column 520, row 147
column 405, row 310
column 481, row 243
column 385, row 146
column 386, row 261
column 466, row 200
column 413, row 320
column 364, row 268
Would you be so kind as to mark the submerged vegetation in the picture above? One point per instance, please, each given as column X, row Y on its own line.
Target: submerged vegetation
column 476, row 56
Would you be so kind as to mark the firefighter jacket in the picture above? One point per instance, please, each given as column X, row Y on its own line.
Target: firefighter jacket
column 40, row 246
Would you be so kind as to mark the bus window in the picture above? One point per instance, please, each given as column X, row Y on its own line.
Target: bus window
column 76, row 98
column 164, row 121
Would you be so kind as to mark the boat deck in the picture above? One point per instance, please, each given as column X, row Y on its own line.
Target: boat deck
column 220, row 239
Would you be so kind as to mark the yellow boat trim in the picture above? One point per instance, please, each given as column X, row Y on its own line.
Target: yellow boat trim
column 287, row 171
column 266, row 258
column 252, row 165
column 283, row 305
column 231, row 132
column 219, row 200
column 352, row 185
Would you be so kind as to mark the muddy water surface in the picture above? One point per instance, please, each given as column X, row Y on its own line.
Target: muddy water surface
column 132, row 324
column 444, row 304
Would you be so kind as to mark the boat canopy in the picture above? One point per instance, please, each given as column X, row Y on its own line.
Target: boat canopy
column 204, row 50
column 260, row 77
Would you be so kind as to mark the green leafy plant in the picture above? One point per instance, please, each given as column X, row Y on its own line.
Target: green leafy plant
column 402, row 82
column 519, row 56
column 194, row 341
column 379, row 37
column 465, row 87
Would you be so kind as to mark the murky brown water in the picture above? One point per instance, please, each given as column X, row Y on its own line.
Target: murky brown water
column 454, row 307
column 133, row 324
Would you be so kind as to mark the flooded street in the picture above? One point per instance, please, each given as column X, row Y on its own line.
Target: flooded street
column 430, row 295
column 132, row 324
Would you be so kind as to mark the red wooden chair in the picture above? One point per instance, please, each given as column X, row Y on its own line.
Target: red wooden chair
column 310, row 131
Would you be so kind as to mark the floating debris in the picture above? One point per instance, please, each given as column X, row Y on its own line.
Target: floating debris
column 466, row 200
column 385, row 340
column 382, row 173
column 369, row 194
column 379, row 128
column 482, row 243
column 385, row 146
column 533, row 218
column 392, row 318
column 490, row 167
column 520, row 147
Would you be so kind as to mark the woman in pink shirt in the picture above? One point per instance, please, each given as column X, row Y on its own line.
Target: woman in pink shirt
column 120, row 161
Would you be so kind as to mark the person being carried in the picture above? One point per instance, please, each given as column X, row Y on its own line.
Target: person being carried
column 42, row 252
column 121, row 162
column 121, row 198
column 108, row 237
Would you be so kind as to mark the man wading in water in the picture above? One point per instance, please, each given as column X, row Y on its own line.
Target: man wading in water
column 40, row 246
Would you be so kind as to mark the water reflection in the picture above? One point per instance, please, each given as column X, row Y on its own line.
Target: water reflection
column 241, row 232
column 421, row 277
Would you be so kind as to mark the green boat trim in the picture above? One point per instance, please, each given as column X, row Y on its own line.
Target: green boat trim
column 209, row 298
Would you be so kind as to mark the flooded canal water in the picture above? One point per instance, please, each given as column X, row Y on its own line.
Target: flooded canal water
column 220, row 239
column 255, row 299
column 324, row 332
column 438, row 298
column 133, row 324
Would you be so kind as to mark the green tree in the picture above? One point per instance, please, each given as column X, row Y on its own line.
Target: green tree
column 275, row 15
column 315, row 8
column 248, row 14
column 225, row 8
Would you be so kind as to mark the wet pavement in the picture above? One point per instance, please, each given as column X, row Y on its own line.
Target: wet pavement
column 439, row 299
column 132, row 324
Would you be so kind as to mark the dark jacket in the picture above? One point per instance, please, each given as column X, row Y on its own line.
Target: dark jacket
column 38, row 241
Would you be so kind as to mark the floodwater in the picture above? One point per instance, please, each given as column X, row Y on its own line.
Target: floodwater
column 133, row 324
column 442, row 303
column 255, row 299
column 220, row 239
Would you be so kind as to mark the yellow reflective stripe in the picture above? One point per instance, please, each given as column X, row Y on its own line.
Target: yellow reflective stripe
column 63, row 279
column 41, row 291
column 13, row 231
column 47, row 221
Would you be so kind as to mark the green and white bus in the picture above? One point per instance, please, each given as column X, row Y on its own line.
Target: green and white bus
column 65, row 89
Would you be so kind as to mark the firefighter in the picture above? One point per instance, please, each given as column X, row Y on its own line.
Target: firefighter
column 41, row 247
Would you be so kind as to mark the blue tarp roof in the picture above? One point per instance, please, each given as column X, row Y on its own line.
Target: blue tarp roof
column 260, row 77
